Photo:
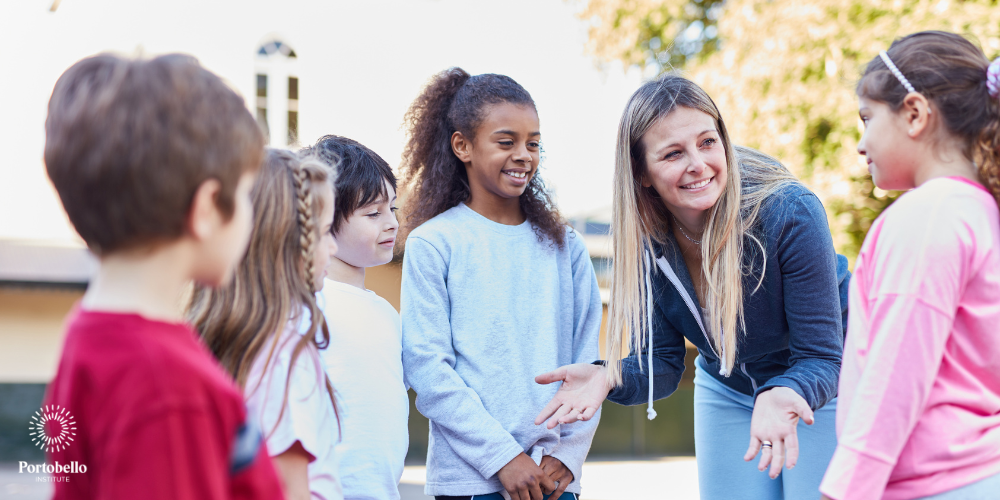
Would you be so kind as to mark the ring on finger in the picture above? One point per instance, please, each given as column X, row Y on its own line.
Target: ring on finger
column 766, row 444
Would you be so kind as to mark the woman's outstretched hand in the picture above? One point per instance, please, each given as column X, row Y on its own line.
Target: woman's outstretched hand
column 584, row 387
column 776, row 414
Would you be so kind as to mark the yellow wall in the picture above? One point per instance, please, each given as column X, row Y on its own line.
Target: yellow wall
column 386, row 281
column 31, row 324
column 31, row 331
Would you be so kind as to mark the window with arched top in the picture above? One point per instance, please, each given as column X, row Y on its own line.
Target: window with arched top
column 277, row 92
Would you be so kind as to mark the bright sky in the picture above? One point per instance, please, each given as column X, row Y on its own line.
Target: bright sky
column 372, row 58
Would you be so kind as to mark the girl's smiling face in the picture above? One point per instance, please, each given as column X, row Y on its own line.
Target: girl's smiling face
column 685, row 162
column 504, row 154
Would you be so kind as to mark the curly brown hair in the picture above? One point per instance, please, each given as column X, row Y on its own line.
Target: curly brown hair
column 435, row 177
column 949, row 70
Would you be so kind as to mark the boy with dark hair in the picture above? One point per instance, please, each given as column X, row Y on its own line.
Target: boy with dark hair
column 371, row 392
column 154, row 161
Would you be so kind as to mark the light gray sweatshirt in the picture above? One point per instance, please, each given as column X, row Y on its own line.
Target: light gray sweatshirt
column 485, row 307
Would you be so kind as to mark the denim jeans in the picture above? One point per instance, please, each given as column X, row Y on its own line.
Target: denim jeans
column 984, row 489
column 496, row 496
column 722, row 435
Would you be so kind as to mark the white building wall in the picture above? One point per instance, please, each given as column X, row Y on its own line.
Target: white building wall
column 278, row 69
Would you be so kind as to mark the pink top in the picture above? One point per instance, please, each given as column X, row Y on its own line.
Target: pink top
column 919, row 403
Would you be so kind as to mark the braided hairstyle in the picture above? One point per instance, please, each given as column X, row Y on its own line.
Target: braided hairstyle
column 274, row 284
column 951, row 71
column 436, row 178
column 306, row 206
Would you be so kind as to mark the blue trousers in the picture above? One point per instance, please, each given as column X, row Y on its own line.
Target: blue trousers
column 722, row 435
column 984, row 489
column 496, row 496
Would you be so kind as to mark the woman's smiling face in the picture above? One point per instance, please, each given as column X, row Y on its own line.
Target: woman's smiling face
column 685, row 162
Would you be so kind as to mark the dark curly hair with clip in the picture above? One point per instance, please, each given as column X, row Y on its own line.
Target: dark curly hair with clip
column 436, row 179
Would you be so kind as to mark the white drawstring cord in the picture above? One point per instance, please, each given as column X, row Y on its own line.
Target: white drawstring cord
column 650, row 412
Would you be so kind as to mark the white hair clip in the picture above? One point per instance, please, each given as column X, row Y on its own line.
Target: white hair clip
column 892, row 67
column 993, row 78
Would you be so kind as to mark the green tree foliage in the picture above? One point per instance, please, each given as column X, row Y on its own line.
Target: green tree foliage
column 662, row 34
column 783, row 74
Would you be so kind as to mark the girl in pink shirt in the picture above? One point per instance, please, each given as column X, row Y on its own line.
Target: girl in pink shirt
column 919, row 407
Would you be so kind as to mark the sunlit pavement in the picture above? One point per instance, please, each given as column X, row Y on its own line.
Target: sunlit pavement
column 22, row 486
column 613, row 480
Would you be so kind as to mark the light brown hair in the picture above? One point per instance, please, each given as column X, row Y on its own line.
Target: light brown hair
column 950, row 71
column 273, row 284
column 129, row 141
column 639, row 217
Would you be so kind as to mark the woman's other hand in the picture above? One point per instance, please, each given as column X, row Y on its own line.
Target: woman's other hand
column 776, row 414
column 584, row 387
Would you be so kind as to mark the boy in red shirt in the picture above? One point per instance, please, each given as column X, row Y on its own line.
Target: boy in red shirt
column 154, row 161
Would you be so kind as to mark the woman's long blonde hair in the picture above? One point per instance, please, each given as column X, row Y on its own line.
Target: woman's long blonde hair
column 274, row 282
column 640, row 217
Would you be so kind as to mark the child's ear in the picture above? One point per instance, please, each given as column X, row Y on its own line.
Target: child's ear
column 916, row 110
column 461, row 146
column 204, row 216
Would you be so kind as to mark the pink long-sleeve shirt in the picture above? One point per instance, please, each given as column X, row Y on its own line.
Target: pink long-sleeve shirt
column 919, row 401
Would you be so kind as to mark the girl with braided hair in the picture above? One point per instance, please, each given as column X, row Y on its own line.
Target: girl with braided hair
column 266, row 328
column 495, row 289
column 919, row 413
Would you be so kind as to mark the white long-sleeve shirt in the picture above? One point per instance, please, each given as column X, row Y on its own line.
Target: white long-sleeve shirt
column 365, row 366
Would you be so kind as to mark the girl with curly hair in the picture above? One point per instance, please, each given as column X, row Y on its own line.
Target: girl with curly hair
column 495, row 289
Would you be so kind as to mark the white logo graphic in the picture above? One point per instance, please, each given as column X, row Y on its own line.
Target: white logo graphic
column 52, row 428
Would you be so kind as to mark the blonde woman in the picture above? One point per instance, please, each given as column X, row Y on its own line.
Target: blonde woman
column 720, row 245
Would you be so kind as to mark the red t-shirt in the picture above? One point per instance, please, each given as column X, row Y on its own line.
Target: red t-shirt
column 156, row 416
